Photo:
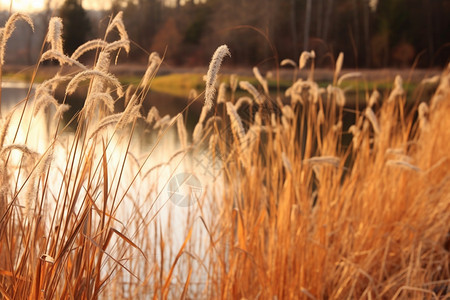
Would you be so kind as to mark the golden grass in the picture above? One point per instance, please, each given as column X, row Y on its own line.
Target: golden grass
column 293, row 212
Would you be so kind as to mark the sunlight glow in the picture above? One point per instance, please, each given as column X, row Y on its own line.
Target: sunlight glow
column 37, row 5
column 22, row 5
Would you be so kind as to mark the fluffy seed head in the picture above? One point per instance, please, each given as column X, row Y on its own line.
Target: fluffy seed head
column 339, row 62
column 6, row 32
column 211, row 76
column 245, row 85
column 236, row 122
column 374, row 98
column 54, row 36
column 117, row 23
column 304, row 57
column 287, row 61
column 373, row 119
column 261, row 80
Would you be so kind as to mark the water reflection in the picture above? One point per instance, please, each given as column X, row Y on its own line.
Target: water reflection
column 13, row 92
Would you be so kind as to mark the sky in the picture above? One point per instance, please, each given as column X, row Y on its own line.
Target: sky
column 36, row 5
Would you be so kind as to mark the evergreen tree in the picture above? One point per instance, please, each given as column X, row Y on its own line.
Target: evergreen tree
column 76, row 25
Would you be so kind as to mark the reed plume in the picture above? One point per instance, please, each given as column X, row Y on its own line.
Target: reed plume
column 236, row 123
column 182, row 132
column 304, row 57
column 54, row 36
column 261, row 80
column 211, row 76
column 88, row 74
column 245, row 85
column 6, row 32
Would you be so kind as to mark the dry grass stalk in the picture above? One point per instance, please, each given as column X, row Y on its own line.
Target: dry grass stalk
column 293, row 212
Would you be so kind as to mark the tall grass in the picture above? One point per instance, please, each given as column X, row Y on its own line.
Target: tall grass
column 288, row 208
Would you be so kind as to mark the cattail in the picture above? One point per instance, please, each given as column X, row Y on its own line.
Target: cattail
column 222, row 94
column 261, row 80
column 373, row 119
column 245, row 85
column 236, row 122
column 182, row 133
column 211, row 76
column 304, row 57
column 88, row 46
column 288, row 61
column 73, row 84
column 6, row 32
column 54, row 36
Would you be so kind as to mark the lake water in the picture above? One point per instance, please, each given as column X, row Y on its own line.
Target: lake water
column 165, row 192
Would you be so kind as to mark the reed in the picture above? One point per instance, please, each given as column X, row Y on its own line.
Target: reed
column 283, row 209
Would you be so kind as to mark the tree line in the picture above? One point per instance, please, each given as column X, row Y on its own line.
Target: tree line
column 383, row 33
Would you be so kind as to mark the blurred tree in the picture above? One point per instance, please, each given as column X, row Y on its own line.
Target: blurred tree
column 143, row 19
column 368, row 31
column 168, row 37
column 76, row 24
column 307, row 25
